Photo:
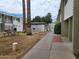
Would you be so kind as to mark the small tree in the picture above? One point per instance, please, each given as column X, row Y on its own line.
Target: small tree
column 36, row 19
column 47, row 19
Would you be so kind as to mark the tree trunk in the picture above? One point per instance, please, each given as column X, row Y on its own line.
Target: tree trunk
column 29, row 32
column 24, row 16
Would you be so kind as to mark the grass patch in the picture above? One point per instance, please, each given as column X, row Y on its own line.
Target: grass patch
column 25, row 43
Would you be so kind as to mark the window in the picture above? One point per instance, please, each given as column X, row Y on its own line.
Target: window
column 18, row 19
column 33, row 28
column 8, row 27
column 8, row 19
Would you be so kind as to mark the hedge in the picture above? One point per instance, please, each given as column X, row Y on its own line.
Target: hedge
column 57, row 28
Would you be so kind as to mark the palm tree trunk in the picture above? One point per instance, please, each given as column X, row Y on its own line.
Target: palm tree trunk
column 29, row 32
column 24, row 16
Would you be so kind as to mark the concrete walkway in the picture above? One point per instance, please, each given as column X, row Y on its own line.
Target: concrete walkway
column 47, row 49
column 62, row 50
column 41, row 50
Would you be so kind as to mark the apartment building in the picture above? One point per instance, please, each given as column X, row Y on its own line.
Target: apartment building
column 9, row 23
column 69, row 18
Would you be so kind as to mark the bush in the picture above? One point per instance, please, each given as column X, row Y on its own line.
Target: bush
column 57, row 28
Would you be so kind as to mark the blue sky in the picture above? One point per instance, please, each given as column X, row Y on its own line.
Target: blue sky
column 38, row 7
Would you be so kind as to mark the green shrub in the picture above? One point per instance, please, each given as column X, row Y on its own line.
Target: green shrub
column 57, row 28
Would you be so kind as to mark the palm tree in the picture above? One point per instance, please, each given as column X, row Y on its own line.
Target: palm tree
column 24, row 16
column 29, row 32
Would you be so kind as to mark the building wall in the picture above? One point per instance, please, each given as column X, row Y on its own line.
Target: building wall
column 68, row 9
column 62, row 18
column 73, row 23
column 66, row 18
column 65, row 28
column 70, row 22
column 18, row 24
column 51, row 27
column 75, row 31
column 38, row 28
column 10, row 22
column 65, row 15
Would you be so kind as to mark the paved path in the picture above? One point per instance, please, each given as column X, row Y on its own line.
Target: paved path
column 48, row 48
column 41, row 50
column 61, row 50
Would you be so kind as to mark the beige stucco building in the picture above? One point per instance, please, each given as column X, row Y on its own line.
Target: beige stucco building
column 69, row 18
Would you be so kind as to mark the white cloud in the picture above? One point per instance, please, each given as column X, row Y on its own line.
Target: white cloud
column 41, row 8
column 12, row 6
column 38, row 7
